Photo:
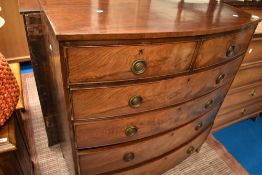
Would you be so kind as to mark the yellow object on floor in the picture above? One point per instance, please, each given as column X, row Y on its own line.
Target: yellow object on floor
column 15, row 67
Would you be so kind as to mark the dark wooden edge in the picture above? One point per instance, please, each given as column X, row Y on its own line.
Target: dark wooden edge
column 38, row 52
column 27, row 125
column 232, row 163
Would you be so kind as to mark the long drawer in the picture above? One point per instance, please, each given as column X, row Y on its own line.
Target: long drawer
column 237, row 113
column 243, row 95
column 102, row 160
column 167, row 161
column 223, row 48
column 248, row 74
column 118, row 130
column 107, row 102
column 119, row 62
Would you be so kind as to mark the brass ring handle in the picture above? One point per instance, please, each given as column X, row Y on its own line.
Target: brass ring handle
column 190, row 150
column 253, row 92
column 243, row 111
column 135, row 101
column 220, row 78
column 129, row 156
column 138, row 67
column 199, row 126
column 230, row 51
column 131, row 131
column 209, row 104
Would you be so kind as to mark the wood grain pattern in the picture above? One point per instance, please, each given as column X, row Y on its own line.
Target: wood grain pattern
column 113, row 101
column 136, row 19
column 168, row 160
column 86, row 23
column 101, row 160
column 115, row 62
column 106, row 132
column 214, row 51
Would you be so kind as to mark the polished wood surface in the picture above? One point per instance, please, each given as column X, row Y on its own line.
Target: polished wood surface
column 216, row 50
column 13, row 43
column 89, row 134
column 96, row 20
column 167, row 161
column 114, row 101
column 115, row 62
column 101, row 104
column 111, row 158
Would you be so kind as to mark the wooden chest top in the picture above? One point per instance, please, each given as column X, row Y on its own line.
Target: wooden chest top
column 134, row 19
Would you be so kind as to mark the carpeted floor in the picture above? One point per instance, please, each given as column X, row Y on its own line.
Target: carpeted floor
column 213, row 159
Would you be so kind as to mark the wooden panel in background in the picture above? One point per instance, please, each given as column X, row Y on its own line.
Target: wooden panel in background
column 13, row 42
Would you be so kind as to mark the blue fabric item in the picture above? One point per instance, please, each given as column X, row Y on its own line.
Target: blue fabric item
column 26, row 68
column 244, row 141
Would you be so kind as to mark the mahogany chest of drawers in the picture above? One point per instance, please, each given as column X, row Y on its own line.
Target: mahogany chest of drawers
column 136, row 85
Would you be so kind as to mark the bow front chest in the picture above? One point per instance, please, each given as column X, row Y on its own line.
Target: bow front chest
column 137, row 84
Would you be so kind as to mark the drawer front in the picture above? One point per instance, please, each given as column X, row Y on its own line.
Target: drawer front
column 248, row 75
column 115, row 157
column 133, row 127
column 167, row 161
column 116, row 63
column 223, row 48
column 121, row 100
column 254, row 52
column 236, row 113
column 242, row 96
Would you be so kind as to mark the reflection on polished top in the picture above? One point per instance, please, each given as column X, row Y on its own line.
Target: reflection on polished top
column 118, row 19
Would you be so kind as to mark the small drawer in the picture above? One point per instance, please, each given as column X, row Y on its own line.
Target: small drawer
column 167, row 161
column 247, row 75
column 106, row 102
column 107, row 159
column 242, row 96
column 223, row 48
column 133, row 127
column 254, row 52
column 236, row 113
column 121, row 63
